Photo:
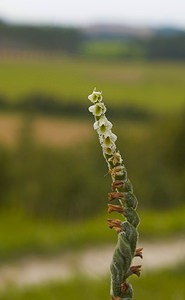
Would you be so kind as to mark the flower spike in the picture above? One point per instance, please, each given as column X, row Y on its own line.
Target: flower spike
column 122, row 191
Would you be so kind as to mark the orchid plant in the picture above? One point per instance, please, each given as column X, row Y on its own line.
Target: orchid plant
column 122, row 191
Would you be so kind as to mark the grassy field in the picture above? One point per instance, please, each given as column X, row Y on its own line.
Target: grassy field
column 157, row 86
column 25, row 235
column 167, row 284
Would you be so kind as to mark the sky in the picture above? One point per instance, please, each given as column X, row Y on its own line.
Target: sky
column 84, row 12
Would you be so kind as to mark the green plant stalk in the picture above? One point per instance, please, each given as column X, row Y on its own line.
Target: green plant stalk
column 122, row 192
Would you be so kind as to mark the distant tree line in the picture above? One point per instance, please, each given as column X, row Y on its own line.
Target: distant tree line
column 44, row 38
column 44, row 104
column 169, row 47
column 153, row 48
column 72, row 40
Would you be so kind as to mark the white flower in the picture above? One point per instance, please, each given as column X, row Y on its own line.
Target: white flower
column 108, row 142
column 98, row 109
column 109, row 138
column 109, row 150
column 102, row 125
column 95, row 96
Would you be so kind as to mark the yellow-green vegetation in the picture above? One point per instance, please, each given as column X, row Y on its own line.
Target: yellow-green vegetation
column 104, row 49
column 162, row 224
column 148, row 287
column 157, row 86
column 113, row 50
column 26, row 235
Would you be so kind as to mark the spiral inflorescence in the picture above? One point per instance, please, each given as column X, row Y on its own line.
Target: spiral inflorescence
column 122, row 192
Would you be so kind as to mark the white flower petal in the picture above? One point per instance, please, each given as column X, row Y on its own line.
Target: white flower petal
column 108, row 133
column 101, row 138
column 92, row 108
column 96, row 125
column 104, row 121
column 113, row 137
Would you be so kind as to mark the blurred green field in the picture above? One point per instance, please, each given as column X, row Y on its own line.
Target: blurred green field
column 52, row 185
column 157, row 86
column 167, row 284
column 25, row 235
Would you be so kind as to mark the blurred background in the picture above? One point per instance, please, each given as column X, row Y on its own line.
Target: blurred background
column 54, row 241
